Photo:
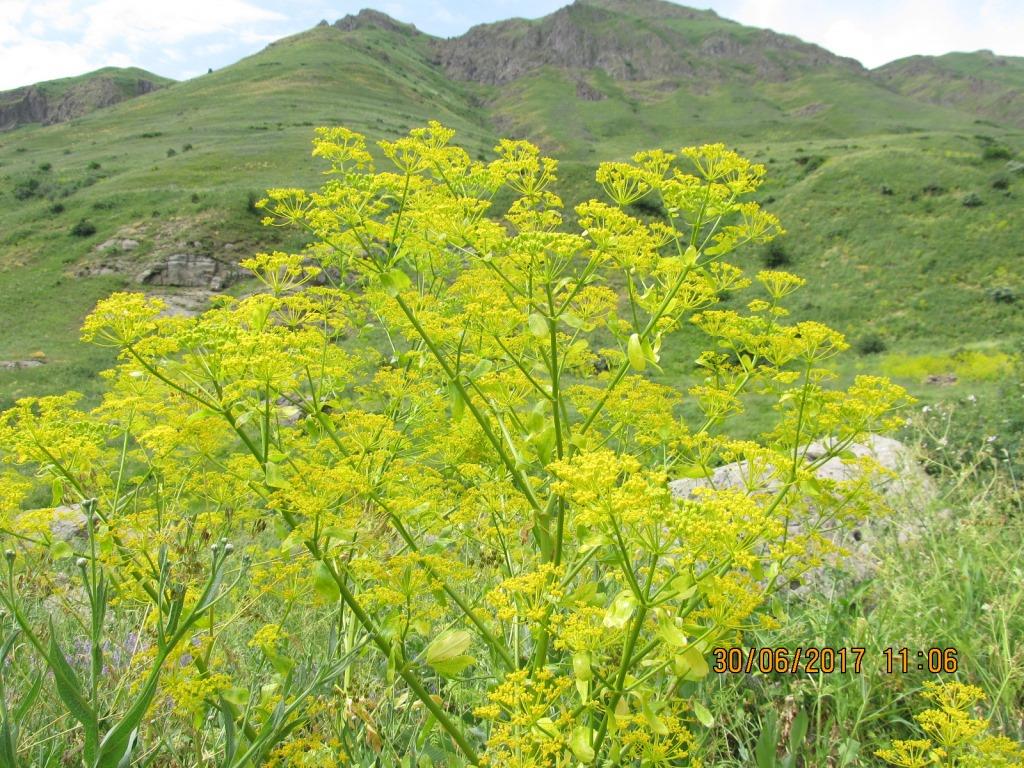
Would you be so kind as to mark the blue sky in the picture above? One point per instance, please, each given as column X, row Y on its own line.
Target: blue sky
column 45, row 39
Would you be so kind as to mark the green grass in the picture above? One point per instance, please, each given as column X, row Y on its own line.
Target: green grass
column 954, row 582
column 916, row 268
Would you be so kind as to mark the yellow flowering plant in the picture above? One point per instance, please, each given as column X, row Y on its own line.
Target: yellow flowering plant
column 955, row 737
column 435, row 435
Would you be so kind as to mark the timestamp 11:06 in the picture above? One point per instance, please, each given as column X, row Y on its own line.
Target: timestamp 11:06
column 934, row 660
column 822, row 660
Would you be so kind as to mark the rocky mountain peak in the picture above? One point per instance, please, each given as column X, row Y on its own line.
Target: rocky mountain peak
column 631, row 40
column 368, row 18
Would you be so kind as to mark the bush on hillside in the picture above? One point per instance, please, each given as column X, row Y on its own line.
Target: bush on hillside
column 996, row 152
column 775, row 255
column 871, row 344
column 84, row 228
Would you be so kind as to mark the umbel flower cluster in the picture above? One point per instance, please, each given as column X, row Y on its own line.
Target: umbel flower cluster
column 433, row 443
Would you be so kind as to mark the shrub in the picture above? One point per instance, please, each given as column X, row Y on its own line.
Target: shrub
column 57, row 208
column 45, row 167
column 94, row 166
column 871, row 344
column 83, row 228
column 186, row 148
column 1003, row 295
column 775, row 255
column 26, row 189
column 971, row 200
column 811, row 163
column 1001, row 183
column 996, row 152
column 252, row 200
column 464, row 548
column 171, row 152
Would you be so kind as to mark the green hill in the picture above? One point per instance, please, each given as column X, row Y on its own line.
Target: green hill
column 980, row 83
column 904, row 216
column 56, row 101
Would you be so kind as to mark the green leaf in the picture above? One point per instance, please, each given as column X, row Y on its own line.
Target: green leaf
column 61, row 550
column 691, row 664
column 453, row 666
column 657, row 724
column 275, row 477
column 690, row 256
column 798, row 732
column 579, row 743
column 446, row 646
column 395, row 281
column 68, row 687
column 324, row 584
column 703, row 714
column 482, row 368
column 56, row 492
column 458, row 403
column 635, row 353
column 538, row 325
column 575, row 321
column 621, row 610
column 581, row 666
column 690, row 471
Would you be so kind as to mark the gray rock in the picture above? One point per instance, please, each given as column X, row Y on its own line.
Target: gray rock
column 68, row 522
column 889, row 453
column 906, row 487
column 191, row 270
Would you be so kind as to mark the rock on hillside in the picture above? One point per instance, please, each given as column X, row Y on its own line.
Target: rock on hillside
column 58, row 101
column 906, row 486
column 371, row 19
column 631, row 40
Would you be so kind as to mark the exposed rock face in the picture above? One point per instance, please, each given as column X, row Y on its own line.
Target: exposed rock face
column 587, row 92
column 369, row 18
column 908, row 480
column 33, row 104
column 907, row 487
column 595, row 34
column 158, row 254
column 191, row 270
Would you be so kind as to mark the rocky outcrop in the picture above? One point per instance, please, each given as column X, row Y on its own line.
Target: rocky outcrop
column 904, row 484
column 905, row 477
column 48, row 103
column 371, row 19
column 168, row 254
column 191, row 269
column 630, row 41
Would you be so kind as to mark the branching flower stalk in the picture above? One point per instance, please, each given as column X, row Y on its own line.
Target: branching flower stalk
column 444, row 434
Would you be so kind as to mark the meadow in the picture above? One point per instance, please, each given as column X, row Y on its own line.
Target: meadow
column 395, row 492
column 529, row 592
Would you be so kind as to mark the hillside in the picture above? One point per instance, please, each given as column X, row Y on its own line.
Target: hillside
column 904, row 216
column 57, row 101
column 980, row 82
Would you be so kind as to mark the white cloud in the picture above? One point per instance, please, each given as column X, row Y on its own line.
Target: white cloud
column 59, row 38
column 876, row 32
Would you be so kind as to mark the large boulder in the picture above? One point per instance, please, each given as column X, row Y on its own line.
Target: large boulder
column 905, row 485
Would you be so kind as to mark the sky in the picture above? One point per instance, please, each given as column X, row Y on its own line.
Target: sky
column 47, row 39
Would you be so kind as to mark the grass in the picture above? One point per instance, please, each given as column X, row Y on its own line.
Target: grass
column 914, row 266
column 956, row 582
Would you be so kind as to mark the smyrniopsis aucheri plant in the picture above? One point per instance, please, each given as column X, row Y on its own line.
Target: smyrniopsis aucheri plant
column 434, row 436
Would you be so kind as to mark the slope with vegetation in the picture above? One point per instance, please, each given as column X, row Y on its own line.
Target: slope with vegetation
column 905, row 211
column 57, row 101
